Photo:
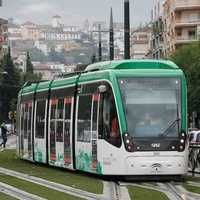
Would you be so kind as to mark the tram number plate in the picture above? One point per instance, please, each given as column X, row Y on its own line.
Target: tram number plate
column 156, row 153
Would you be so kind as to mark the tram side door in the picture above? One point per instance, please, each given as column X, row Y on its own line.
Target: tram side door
column 60, row 132
column 39, row 131
column 86, row 132
column 26, row 127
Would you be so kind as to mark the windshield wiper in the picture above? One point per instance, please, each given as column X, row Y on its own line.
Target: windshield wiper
column 163, row 135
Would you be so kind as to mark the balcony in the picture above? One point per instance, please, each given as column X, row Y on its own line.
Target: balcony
column 185, row 39
column 186, row 23
column 190, row 4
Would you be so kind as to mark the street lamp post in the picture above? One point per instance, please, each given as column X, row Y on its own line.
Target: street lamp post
column 100, row 49
column 111, row 36
column 126, row 30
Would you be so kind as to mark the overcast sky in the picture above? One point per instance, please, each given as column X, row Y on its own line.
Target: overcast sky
column 75, row 12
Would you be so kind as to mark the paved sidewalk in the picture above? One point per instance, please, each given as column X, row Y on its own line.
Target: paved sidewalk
column 11, row 142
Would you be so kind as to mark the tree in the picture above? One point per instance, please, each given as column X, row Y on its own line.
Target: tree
column 55, row 56
column 29, row 65
column 10, row 85
column 30, row 75
column 80, row 67
column 188, row 59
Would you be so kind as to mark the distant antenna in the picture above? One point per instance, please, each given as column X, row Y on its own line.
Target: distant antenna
column 111, row 36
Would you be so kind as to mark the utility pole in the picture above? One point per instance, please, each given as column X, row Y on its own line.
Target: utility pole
column 111, row 36
column 100, row 49
column 126, row 30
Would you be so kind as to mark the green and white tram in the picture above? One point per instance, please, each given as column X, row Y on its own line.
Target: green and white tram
column 123, row 117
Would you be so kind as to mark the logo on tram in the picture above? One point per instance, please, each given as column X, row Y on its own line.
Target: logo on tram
column 155, row 145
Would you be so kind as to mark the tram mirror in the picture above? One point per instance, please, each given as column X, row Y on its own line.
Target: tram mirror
column 102, row 89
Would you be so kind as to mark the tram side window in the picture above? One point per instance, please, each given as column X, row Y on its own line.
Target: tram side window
column 95, row 115
column 29, row 118
column 67, row 111
column 40, row 119
column 22, row 125
column 84, row 118
column 53, row 117
column 59, row 120
column 52, row 127
column 110, row 129
column 25, row 120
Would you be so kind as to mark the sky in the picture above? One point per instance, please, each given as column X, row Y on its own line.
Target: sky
column 75, row 12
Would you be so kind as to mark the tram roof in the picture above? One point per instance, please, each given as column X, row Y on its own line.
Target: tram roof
column 132, row 64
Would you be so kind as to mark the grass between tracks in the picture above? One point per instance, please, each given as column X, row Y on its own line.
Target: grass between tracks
column 9, row 160
column 36, row 189
column 83, row 181
column 6, row 197
column 145, row 194
column 191, row 188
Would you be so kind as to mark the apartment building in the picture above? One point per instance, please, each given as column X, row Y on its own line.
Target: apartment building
column 139, row 42
column 3, row 36
column 44, row 71
column 30, row 31
column 181, row 19
column 156, row 43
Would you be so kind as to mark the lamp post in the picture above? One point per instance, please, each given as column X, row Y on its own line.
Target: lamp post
column 111, row 36
column 126, row 30
column 100, row 49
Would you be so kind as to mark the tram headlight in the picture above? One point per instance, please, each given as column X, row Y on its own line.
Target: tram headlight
column 181, row 148
column 182, row 141
column 129, row 147
column 128, row 142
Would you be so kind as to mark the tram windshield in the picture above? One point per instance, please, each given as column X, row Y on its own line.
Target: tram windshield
column 152, row 106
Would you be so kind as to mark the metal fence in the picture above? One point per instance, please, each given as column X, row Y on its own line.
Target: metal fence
column 194, row 159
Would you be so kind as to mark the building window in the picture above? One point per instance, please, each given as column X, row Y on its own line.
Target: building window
column 192, row 17
column 191, row 34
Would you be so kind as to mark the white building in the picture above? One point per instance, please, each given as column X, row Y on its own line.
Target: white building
column 56, row 67
column 59, row 35
column 70, row 29
column 39, row 44
column 139, row 42
column 56, row 21
column 45, row 71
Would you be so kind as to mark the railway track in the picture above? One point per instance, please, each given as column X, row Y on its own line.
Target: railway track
column 173, row 190
column 16, row 193
column 113, row 190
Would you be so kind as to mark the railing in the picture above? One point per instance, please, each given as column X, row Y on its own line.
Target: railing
column 194, row 159
column 186, row 4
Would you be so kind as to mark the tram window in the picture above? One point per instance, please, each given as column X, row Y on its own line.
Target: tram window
column 67, row 111
column 67, row 129
column 40, row 119
column 95, row 116
column 29, row 117
column 84, row 118
column 52, row 128
column 59, row 120
column 22, row 127
column 109, row 123
column 29, row 126
column 25, row 120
